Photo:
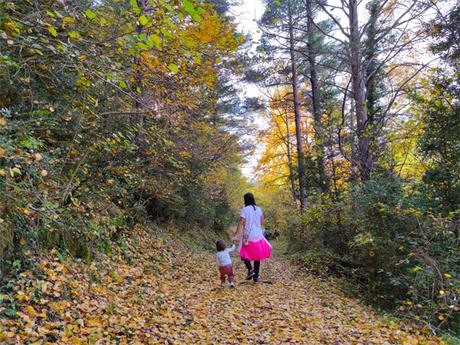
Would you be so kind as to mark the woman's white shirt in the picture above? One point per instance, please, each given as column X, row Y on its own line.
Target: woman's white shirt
column 253, row 222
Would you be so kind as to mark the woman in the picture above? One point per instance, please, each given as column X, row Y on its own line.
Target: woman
column 254, row 245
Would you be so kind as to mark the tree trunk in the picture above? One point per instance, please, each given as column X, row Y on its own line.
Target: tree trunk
column 358, row 84
column 315, row 94
column 297, row 117
column 289, row 156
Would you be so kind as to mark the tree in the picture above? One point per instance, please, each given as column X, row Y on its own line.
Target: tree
column 278, row 24
column 438, row 102
column 277, row 162
column 112, row 111
column 370, row 51
column 316, row 95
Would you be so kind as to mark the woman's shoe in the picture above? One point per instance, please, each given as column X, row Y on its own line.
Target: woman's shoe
column 250, row 275
column 256, row 279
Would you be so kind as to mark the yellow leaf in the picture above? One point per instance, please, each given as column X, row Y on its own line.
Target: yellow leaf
column 52, row 31
column 29, row 310
column 95, row 322
column 67, row 20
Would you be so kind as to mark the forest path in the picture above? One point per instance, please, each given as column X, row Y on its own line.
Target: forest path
column 284, row 308
column 151, row 291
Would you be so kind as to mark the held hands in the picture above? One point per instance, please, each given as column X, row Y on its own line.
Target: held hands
column 234, row 240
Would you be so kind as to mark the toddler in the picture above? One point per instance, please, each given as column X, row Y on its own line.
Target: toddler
column 225, row 262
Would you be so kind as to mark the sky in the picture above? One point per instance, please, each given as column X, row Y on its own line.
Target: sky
column 246, row 15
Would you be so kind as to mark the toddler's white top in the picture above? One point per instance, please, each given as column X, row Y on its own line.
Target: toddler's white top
column 223, row 257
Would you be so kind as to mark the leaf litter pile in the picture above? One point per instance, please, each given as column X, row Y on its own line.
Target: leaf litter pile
column 154, row 291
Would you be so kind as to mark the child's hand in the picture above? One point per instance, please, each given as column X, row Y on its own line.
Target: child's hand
column 234, row 240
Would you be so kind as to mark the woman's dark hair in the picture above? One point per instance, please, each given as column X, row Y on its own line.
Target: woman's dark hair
column 249, row 200
column 220, row 245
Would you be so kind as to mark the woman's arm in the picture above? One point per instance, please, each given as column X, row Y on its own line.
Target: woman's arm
column 240, row 226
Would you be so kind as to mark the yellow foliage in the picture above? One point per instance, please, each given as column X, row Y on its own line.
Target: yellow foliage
column 181, row 302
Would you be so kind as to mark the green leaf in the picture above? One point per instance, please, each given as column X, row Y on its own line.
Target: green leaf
column 142, row 46
column 31, row 143
column 170, row 23
column 136, row 8
column 190, row 9
column 156, row 40
column 122, row 84
column 143, row 20
column 197, row 59
column 173, row 68
column 73, row 34
column 165, row 32
column 10, row 313
column 52, row 31
column 90, row 14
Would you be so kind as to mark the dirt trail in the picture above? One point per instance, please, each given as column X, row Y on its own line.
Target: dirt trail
column 283, row 309
column 152, row 293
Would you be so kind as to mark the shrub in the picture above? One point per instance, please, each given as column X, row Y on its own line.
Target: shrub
column 402, row 257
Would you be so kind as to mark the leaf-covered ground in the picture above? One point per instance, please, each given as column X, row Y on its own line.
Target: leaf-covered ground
column 155, row 292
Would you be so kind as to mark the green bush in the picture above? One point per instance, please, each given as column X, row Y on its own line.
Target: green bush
column 402, row 257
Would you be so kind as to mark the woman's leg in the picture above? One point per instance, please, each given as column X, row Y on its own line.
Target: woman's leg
column 250, row 270
column 256, row 269
column 248, row 264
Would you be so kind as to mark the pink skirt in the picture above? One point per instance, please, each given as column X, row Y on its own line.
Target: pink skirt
column 256, row 251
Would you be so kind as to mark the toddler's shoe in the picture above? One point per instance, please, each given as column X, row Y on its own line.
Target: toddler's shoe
column 232, row 285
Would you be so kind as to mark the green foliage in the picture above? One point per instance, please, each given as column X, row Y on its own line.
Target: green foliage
column 401, row 257
column 97, row 134
column 439, row 107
